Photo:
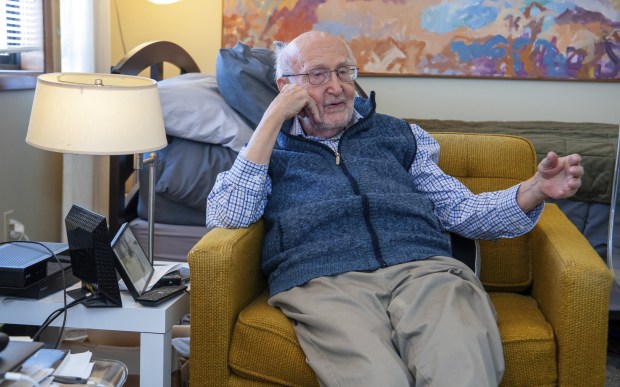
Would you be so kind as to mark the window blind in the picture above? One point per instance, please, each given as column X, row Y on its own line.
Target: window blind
column 21, row 26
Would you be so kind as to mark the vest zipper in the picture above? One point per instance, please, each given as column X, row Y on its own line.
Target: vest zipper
column 374, row 238
column 336, row 153
column 365, row 203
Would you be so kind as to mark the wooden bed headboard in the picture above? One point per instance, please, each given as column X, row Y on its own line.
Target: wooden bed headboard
column 123, row 207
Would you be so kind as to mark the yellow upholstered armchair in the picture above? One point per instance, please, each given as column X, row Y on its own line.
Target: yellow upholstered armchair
column 549, row 287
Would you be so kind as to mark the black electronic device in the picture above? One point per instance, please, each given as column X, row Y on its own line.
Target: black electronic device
column 174, row 278
column 52, row 283
column 24, row 263
column 136, row 270
column 92, row 258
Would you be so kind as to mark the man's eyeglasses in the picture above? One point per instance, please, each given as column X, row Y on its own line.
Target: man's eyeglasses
column 322, row 76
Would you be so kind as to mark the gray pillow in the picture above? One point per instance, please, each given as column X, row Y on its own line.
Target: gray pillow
column 189, row 169
column 246, row 79
column 194, row 109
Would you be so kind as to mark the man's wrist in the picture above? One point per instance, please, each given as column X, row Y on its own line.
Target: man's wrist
column 530, row 194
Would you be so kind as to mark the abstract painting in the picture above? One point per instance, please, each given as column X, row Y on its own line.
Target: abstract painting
column 520, row 39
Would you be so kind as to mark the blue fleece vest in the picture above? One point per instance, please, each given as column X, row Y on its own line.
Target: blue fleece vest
column 355, row 211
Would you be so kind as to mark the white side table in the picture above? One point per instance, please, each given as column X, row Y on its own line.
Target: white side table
column 153, row 323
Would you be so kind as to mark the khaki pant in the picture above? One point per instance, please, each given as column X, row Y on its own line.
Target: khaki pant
column 422, row 323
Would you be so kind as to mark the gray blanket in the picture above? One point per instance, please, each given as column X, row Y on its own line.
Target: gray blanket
column 595, row 142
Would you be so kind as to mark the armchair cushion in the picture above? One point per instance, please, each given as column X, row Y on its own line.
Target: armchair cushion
column 264, row 346
column 535, row 337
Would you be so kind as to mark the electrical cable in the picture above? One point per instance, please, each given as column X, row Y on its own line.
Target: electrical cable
column 62, row 272
column 120, row 27
column 54, row 315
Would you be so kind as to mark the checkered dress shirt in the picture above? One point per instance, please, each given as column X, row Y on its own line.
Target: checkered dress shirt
column 239, row 195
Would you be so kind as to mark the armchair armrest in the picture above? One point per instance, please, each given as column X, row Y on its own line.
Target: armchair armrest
column 225, row 276
column 571, row 283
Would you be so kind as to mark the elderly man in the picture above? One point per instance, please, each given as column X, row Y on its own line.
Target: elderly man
column 357, row 213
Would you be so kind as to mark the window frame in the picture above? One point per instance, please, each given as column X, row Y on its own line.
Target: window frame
column 26, row 79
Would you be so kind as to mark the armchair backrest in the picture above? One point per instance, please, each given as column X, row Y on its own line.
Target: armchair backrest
column 488, row 162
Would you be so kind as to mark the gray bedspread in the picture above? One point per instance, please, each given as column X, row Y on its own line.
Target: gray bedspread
column 595, row 142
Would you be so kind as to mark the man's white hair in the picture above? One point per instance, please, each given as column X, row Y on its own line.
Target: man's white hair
column 287, row 54
column 283, row 58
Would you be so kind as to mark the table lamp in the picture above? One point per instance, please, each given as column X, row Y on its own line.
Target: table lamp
column 100, row 114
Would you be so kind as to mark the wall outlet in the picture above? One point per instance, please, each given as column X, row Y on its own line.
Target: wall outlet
column 16, row 230
column 6, row 231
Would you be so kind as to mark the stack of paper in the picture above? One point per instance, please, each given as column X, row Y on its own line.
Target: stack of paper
column 55, row 365
column 76, row 365
column 42, row 364
column 161, row 269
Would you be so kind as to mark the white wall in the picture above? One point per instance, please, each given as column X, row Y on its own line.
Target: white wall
column 30, row 178
column 494, row 99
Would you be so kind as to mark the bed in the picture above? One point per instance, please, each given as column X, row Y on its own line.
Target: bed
column 177, row 225
column 209, row 117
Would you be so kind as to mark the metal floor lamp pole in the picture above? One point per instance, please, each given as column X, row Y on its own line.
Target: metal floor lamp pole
column 613, row 248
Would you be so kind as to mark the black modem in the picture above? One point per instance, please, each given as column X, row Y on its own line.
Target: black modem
column 58, row 278
column 24, row 263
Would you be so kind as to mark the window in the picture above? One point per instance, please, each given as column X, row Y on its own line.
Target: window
column 25, row 42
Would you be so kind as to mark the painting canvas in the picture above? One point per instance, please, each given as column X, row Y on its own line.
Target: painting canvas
column 520, row 39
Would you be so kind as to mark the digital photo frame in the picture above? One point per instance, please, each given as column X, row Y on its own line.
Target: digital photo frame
column 131, row 262
column 136, row 270
column 92, row 258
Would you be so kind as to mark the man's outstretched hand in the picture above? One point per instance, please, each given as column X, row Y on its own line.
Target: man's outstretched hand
column 560, row 177
column 556, row 178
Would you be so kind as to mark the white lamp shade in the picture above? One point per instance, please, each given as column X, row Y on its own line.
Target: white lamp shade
column 96, row 114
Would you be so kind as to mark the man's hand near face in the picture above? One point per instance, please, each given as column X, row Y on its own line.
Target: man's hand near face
column 293, row 100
